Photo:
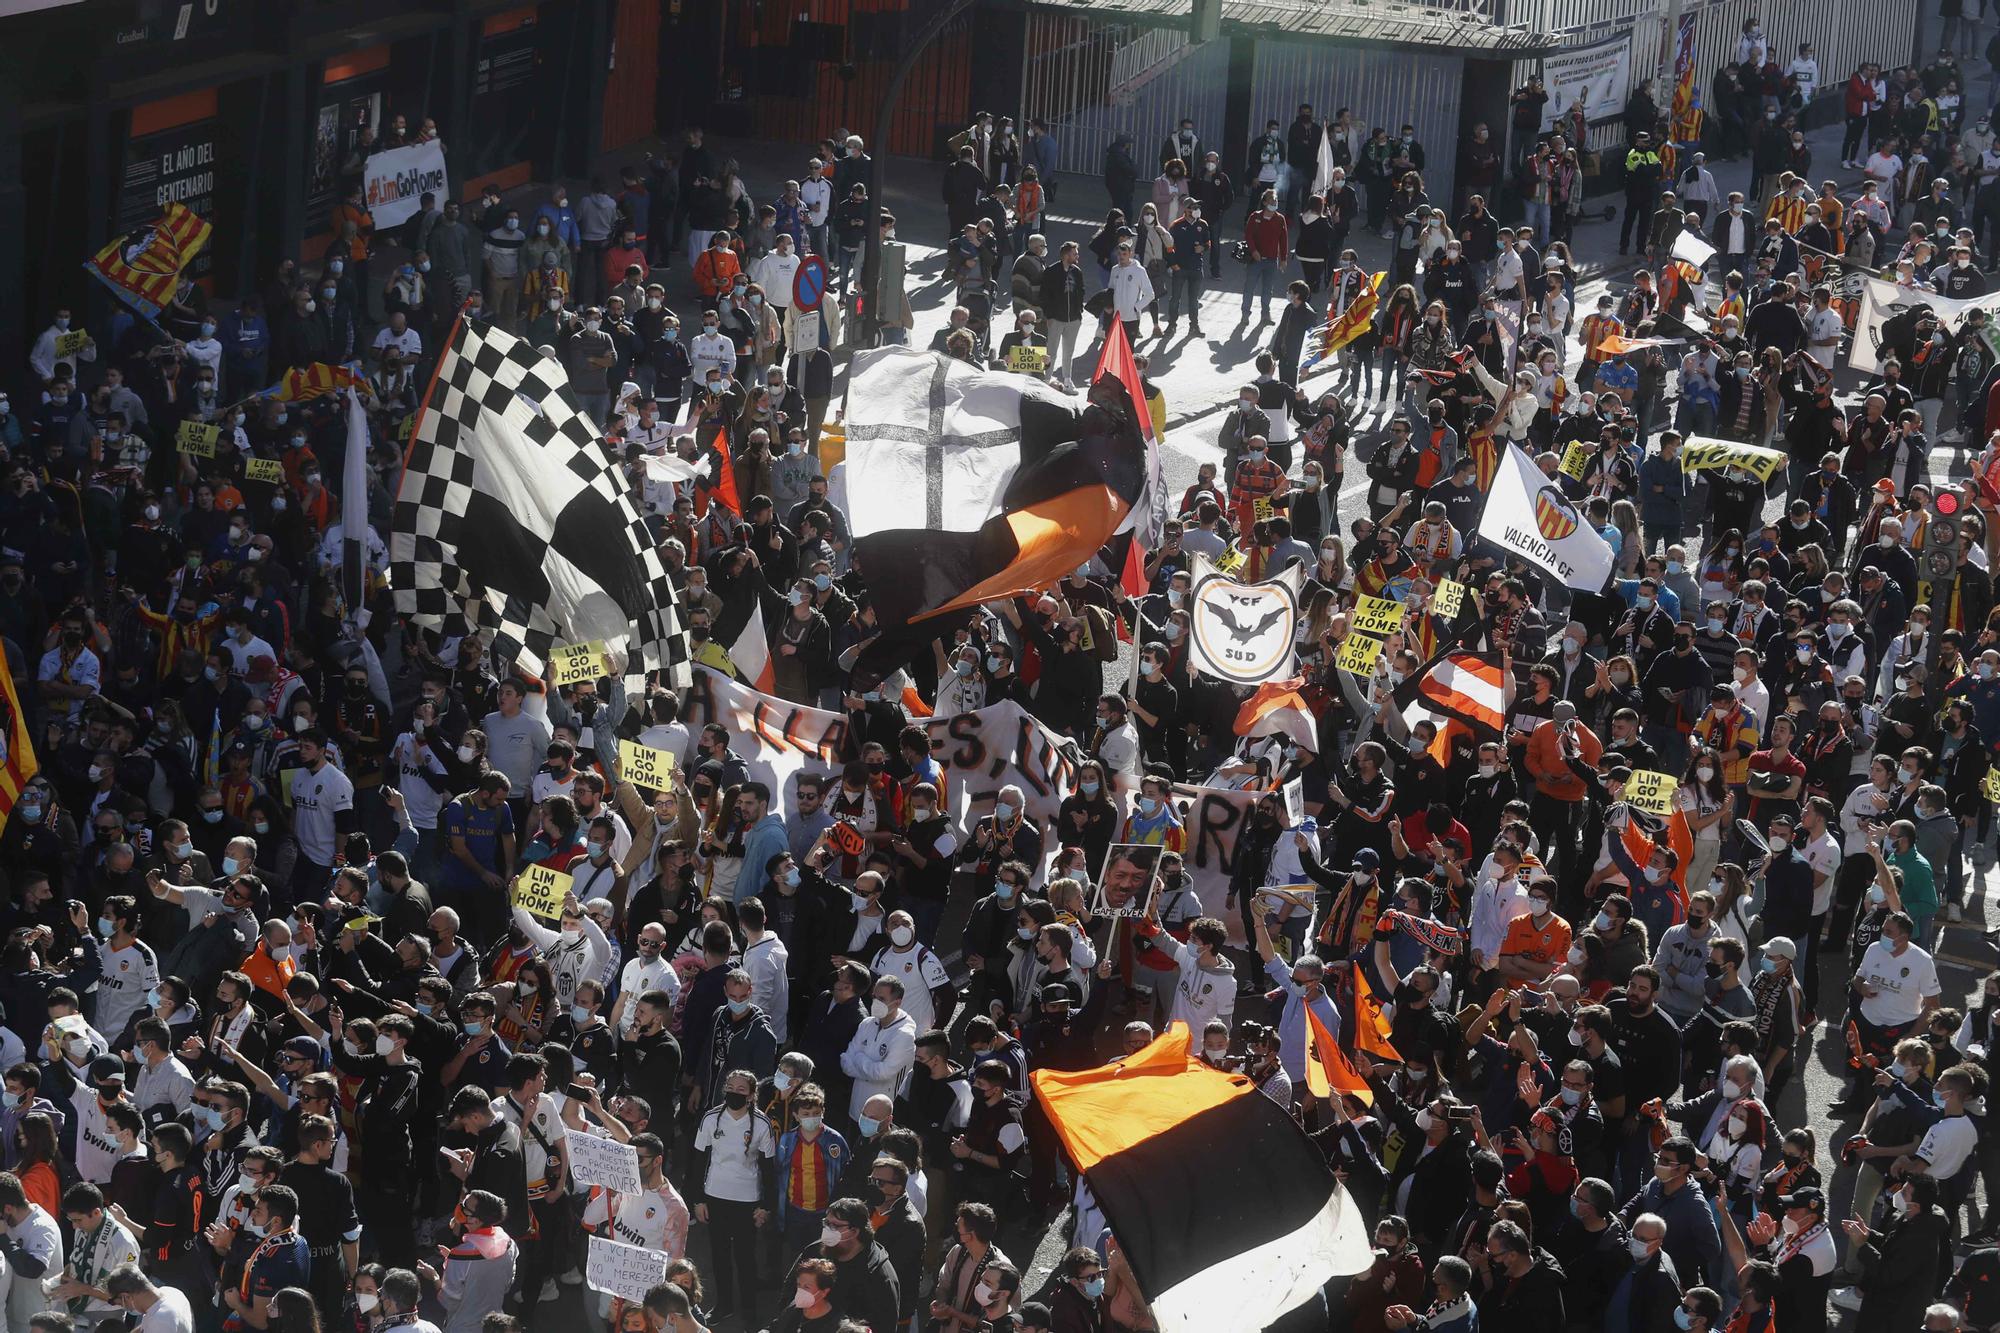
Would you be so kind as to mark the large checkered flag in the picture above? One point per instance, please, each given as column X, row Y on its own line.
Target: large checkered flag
column 512, row 518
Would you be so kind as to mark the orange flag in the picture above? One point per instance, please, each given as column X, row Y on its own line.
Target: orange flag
column 1328, row 1070
column 1371, row 1030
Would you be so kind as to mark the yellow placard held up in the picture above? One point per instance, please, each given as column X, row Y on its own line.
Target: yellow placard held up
column 1989, row 785
column 1358, row 653
column 1261, row 509
column 1379, row 616
column 71, row 344
column 541, row 892
column 1699, row 455
column 577, row 663
column 264, row 469
column 1231, row 560
column 1447, row 598
column 1651, row 792
column 1575, row 459
column 194, row 438
column 1028, row 360
column 643, row 766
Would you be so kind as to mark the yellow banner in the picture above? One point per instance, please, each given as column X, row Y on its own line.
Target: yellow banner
column 1447, row 598
column 197, row 439
column 541, row 892
column 1261, row 509
column 71, row 343
column 1575, row 459
column 264, row 469
column 1652, row 792
column 1379, row 616
column 577, row 663
column 1699, row 455
column 643, row 766
column 1358, row 653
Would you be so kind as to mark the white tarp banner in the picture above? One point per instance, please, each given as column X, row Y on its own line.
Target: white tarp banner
column 996, row 746
column 1598, row 75
column 1882, row 301
column 1245, row 633
column 394, row 183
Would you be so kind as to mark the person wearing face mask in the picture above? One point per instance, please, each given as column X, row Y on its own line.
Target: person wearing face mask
column 883, row 1048
column 385, row 1107
column 1897, row 1267
column 733, row 1189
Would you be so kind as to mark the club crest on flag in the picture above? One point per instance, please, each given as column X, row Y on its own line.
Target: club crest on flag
column 1244, row 632
column 1555, row 516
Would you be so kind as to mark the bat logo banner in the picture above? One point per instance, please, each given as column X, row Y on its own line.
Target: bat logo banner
column 1244, row 632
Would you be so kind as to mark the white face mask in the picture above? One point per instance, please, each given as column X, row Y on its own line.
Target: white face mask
column 901, row 936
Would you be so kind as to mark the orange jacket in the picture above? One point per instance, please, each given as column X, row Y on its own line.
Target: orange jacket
column 364, row 228
column 1545, row 761
column 265, row 975
column 714, row 269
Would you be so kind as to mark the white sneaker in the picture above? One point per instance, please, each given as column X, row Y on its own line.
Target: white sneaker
column 551, row 1291
column 1848, row 1298
column 572, row 1278
column 1953, row 912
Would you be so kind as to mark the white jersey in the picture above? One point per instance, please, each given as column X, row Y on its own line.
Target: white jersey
column 1901, row 981
column 541, row 1133
column 737, row 1148
column 317, row 798
column 641, row 976
column 646, row 1219
column 97, row 1148
column 125, row 976
column 920, row 971
column 423, row 801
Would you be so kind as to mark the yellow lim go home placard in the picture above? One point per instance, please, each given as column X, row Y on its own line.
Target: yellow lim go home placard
column 577, row 663
column 1358, row 653
column 643, row 766
column 194, row 438
column 1652, row 792
column 263, row 469
column 1447, row 598
column 541, row 893
column 1379, row 616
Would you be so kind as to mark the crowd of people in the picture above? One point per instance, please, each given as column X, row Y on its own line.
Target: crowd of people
column 280, row 1050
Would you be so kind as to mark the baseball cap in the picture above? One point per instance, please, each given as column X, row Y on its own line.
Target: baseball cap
column 1779, row 946
column 107, row 1069
column 1809, row 1196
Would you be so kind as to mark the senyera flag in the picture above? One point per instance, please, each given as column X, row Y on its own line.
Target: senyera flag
column 967, row 485
column 17, row 750
column 1153, row 1135
column 302, row 383
column 1343, row 327
column 144, row 267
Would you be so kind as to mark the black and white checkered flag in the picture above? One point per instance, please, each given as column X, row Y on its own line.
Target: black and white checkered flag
column 512, row 519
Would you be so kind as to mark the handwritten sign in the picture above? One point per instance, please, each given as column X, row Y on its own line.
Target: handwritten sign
column 596, row 1160
column 1024, row 360
column 1358, row 653
column 643, row 766
column 541, row 892
column 71, row 344
column 197, row 439
column 1379, row 616
column 1575, row 459
column 577, row 664
column 1989, row 785
column 1651, row 792
column 1294, row 793
column 1447, row 598
column 627, row 1271
column 1261, row 509
column 264, row 469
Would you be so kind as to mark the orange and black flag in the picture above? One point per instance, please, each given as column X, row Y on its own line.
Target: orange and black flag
column 144, row 267
column 17, row 751
column 1371, row 1026
column 967, row 485
column 1152, row 1135
column 1328, row 1070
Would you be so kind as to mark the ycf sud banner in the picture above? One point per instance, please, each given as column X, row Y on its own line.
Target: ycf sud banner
column 395, row 182
column 995, row 747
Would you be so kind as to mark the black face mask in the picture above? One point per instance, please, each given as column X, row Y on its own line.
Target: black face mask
column 735, row 1101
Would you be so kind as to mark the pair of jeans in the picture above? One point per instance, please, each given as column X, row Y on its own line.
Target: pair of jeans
column 1537, row 215
column 1185, row 284
column 1263, row 275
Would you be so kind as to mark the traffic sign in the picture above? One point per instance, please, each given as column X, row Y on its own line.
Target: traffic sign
column 809, row 283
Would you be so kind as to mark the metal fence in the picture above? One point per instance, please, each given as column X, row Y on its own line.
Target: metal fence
column 1093, row 79
column 1386, row 88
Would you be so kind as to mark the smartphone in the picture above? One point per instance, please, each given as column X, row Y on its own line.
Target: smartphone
column 578, row 1092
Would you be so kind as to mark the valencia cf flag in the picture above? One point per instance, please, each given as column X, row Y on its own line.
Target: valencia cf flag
column 1154, row 1136
column 144, row 268
column 966, row 485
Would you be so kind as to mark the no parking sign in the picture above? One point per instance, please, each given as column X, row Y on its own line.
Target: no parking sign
column 809, row 283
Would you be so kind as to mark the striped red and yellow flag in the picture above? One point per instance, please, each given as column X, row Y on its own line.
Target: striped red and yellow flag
column 315, row 381
column 144, row 267
column 1343, row 328
column 18, row 764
